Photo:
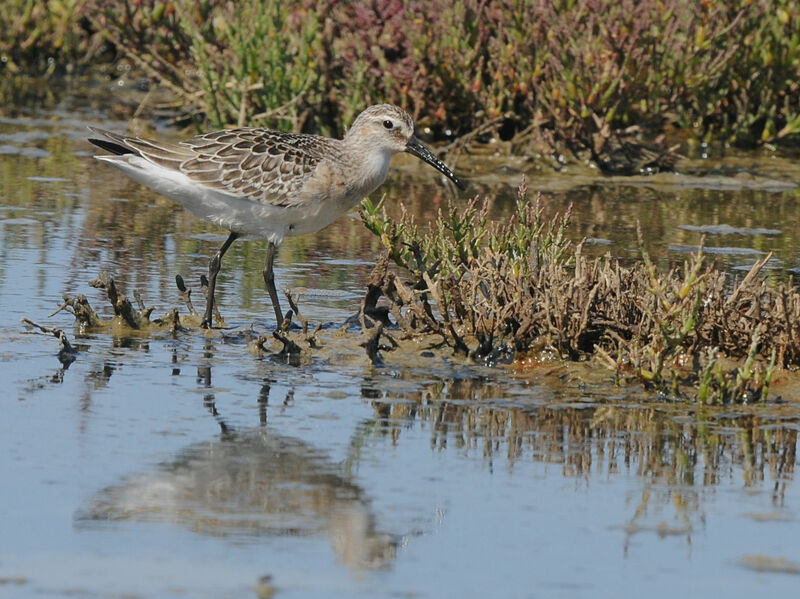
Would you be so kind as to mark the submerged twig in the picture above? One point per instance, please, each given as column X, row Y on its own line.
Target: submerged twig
column 373, row 345
column 67, row 354
column 374, row 291
column 171, row 320
column 293, row 306
column 290, row 348
column 311, row 338
column 186, row 294
column 119, row 302
column 79, row 307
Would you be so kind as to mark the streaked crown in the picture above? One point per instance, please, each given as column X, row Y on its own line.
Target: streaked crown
column 383, row 125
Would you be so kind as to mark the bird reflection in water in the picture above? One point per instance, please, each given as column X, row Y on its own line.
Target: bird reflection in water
column 253, row 482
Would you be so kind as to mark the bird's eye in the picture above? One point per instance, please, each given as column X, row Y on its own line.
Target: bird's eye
column 388, row 124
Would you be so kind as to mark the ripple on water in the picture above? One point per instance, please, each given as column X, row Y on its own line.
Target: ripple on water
column 729, row 250
column 47, row 179
column 26, row 151
column 729, row 230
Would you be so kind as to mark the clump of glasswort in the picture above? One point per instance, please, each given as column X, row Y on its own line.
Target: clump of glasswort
column 586, row 75
column 590, row 76
column 520, row 289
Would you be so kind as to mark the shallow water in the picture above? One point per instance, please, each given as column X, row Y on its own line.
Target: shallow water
column 173, row 466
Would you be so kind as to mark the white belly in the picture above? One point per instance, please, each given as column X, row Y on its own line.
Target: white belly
column 325, row 197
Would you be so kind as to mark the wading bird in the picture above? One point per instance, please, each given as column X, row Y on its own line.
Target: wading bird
column 269, row 184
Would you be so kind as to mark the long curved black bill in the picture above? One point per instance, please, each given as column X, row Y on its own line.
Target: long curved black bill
column 418, row 149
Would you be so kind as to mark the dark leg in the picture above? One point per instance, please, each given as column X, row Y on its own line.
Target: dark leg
column 269, row 280
column 213, row 268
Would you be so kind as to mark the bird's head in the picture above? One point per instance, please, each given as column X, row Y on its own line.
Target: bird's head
column 391, row 129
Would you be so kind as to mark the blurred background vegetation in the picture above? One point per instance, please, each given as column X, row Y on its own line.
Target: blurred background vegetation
column 566, row 75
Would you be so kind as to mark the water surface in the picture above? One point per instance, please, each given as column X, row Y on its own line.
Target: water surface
column 174, row 466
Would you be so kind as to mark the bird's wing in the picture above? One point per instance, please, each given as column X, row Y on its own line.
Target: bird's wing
column 265, row 165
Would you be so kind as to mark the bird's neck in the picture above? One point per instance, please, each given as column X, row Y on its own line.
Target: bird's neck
column 370, row 163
